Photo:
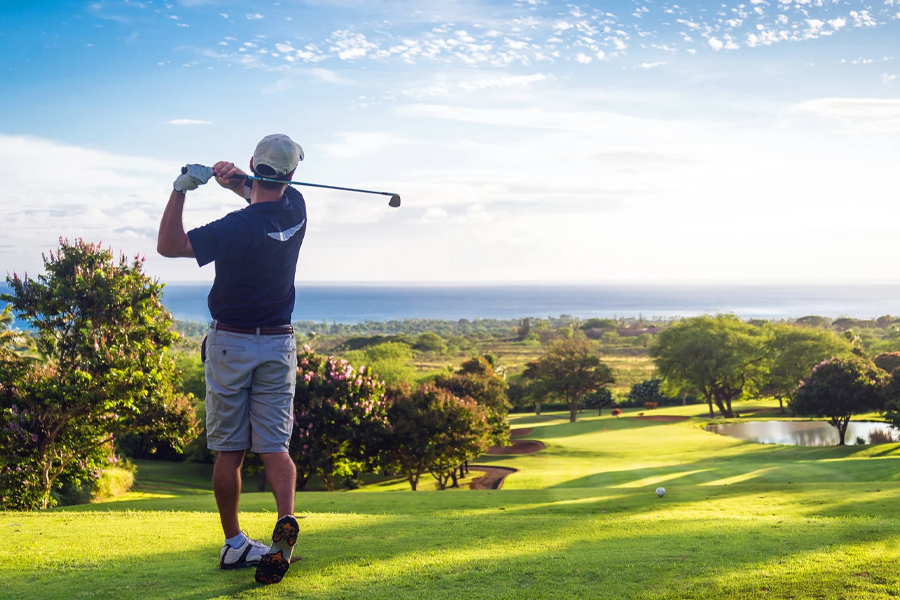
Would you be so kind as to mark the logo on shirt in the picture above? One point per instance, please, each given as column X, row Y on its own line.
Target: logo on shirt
column 283, row 236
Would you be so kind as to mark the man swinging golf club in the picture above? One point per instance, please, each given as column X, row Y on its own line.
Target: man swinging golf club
column 249, row 352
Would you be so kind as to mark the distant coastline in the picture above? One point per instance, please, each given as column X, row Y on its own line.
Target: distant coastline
column 387, row 302
column 379, row 302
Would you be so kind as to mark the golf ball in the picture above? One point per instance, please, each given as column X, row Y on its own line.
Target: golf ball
column 660, row 492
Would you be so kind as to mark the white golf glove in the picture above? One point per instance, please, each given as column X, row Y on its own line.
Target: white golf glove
column 192, row 177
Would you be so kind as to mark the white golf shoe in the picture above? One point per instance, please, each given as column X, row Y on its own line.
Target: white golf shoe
column 245, row 555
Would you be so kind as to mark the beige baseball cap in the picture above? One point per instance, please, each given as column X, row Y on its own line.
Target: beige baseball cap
column 276, row 155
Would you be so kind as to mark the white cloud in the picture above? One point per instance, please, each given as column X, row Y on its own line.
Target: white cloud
column 355, row 145
column 583, row 58
column 93, row 195
column 189, row 122
column 501, row 82
column 254, row 17
column 855, row 114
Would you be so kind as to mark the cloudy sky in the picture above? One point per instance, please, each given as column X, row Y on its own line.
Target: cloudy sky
column 531, row 140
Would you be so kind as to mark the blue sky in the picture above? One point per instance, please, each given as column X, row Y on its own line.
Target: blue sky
column 531, row 140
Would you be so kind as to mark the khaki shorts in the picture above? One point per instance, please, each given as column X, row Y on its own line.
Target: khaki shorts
column 250, row 381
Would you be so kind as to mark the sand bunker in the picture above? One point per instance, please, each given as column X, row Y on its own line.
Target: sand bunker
column 518, row 447
column 519, row 432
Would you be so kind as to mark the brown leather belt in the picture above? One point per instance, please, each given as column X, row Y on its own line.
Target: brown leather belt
column 279, row 330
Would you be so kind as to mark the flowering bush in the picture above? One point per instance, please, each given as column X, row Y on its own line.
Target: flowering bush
column 477, row 380
column 616, row 412
column 340, row 418
column 650, row 405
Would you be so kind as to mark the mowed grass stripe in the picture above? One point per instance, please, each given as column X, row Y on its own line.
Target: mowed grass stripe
column 141, row 555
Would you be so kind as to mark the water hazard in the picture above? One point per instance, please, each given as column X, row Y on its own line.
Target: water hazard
column 807, row 433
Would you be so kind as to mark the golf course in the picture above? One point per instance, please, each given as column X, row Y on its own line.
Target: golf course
column 578, row 519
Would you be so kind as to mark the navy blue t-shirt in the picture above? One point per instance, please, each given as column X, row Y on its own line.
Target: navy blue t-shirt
column 255, row 250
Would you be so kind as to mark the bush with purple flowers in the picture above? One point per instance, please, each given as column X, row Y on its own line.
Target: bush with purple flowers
column 340, row 419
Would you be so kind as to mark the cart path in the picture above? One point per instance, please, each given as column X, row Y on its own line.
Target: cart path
column 492, row 479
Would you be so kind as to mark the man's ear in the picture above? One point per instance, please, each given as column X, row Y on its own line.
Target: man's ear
column 251, row 164
column 289, row 175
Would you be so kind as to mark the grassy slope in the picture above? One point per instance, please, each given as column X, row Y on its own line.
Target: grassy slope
column 739, row 520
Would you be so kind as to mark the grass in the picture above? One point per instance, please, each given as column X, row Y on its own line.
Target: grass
column 580, row 520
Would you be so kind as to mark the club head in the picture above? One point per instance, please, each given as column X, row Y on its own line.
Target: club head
column 394, row 201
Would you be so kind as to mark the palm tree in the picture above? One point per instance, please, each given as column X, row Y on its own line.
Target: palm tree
column 9, row 338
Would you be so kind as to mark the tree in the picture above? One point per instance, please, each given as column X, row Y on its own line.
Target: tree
column 597, row 323
column 602, row 398
column 433, row 431
column 10, row 339
column 891, row 394
column 340, row 418
column 646, row 391
column 568, row 370
column 477, row 380
column 430, row 342
column 524, row 329
column 103, row 335
column 837, row 389
column 720, row 358
column 792, row 352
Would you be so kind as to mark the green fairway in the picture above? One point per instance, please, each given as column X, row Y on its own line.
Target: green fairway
column 579, row 520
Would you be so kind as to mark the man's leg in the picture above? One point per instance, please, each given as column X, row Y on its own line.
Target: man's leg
column 282, row 475
column 227, row 487
column 271, row 418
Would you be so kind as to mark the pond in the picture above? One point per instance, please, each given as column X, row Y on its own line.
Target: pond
column 807, row 433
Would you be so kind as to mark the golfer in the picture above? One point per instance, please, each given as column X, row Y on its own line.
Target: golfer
column 249, row 352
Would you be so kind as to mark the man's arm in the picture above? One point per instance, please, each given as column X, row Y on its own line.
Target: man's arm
column 173, row 242
column 224, row 172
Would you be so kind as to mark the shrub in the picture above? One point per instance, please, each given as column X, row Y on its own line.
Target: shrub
column 616, row 412
column 649, row 391
column 430, row 342
column 649, row 405
column 112, row 482
column 888, row 361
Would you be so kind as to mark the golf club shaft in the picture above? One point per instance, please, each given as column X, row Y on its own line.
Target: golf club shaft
column 316, row 185
column 394, row 202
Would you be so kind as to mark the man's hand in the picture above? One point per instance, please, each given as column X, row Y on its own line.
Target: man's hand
column 224, row 172
column 193, row 177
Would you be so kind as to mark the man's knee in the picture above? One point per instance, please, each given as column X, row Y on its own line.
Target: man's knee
column 230, row 458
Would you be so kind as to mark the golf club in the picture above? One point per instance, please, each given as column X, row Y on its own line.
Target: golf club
column 394, row 202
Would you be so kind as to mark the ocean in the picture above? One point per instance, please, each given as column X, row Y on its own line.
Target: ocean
column 359, row 303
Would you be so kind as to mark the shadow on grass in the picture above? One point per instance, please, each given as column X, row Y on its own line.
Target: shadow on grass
column 485, row 556
column 756, row 464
